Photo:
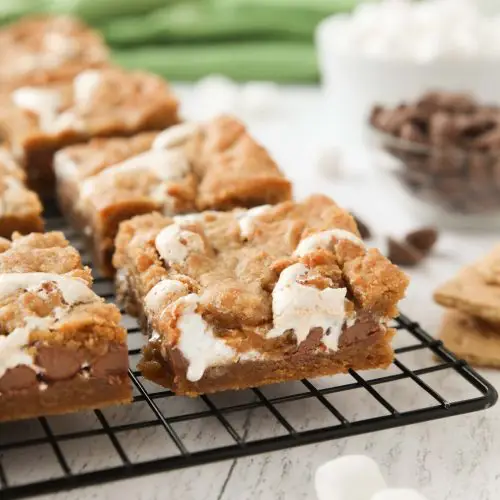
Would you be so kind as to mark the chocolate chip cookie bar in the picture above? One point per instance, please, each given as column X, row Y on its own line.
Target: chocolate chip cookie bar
column 41, row 49
column 187, row 168
column 20, row 208
column 231, row 300
column 61, row 347
column 39, row 120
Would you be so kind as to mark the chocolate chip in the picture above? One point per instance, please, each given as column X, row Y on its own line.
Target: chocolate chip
column 411, row 132
column 403, row 254
column 442, row 129
column 422, row 239
column 363, row 229
column 452, row 159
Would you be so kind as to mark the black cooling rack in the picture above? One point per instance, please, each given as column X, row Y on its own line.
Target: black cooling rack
column 161, row 431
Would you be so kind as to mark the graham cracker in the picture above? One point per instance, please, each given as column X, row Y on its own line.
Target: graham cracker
column 471, row 293
column 489, row 267
column 471, row 339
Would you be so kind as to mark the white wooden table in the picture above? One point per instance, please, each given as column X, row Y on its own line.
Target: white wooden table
column 452, row 459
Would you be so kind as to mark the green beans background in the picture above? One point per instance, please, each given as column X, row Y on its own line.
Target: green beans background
column 187, row 39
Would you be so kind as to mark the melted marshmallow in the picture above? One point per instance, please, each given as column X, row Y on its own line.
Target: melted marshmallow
column 14, row 189
column 165, row 164
column 84, row 86
column 175, row 136
column 59, row 46
column 197, row 342
column 324, row 240
column 73, row 290
column 246, row 219
column 175, row 243
column 252, row 355
column 12, row 351
column 12, row 346
column 189, row 218
column 43, row 102
column 301, row 308
column 7, row 160
column 64, row 166
column 156, row 297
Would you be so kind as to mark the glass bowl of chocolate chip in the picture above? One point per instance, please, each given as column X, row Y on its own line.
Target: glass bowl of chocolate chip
column 447, row 151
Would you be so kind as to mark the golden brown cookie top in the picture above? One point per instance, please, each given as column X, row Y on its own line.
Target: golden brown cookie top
column 45, row 293
column 40, row 49
column 96, row 102
column 16, row 200
column 86, row 160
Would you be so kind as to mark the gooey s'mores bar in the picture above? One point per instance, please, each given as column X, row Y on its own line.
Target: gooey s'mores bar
column 20, row 208
column 61, row 347
column 250, row 297
column 39, row 120
column 37, row 50
column 187, row 168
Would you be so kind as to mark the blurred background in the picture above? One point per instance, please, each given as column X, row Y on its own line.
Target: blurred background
column 318, row 68
column 187, row 39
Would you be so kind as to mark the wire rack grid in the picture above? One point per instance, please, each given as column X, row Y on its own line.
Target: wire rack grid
column 160, row 431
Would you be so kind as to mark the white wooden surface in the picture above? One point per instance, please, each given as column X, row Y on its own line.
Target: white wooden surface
column 452, row 459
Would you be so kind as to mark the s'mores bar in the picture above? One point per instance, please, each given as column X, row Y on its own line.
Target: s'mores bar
column 187, row 168
column 39, row 120
column 41, row 49
column 238, row 299
column 62, row 348
column 20, row 208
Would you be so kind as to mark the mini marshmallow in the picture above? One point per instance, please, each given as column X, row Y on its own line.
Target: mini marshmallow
column 353, row 477
column 246, row 219
column 398, row 494
column 417, row 31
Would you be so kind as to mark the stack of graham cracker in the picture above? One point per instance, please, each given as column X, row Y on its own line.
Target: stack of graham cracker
column 471, row 326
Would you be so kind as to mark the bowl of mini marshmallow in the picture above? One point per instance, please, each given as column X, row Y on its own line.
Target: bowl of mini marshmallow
column 396, row 50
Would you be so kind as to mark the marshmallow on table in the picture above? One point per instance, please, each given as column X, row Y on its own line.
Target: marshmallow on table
column 398, row 494
column 353, row 477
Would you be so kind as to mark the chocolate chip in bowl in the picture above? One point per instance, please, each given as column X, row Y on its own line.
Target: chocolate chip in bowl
column 447, row 147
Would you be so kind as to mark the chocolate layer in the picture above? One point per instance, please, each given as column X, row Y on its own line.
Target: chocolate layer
column 61, row 363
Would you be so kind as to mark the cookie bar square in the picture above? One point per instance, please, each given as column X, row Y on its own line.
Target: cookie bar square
column 20, row 208
column 231, row 300
column 62, row 348
column 41, row 49
column 475, row 290
column 187, row 168
column 39, row 120
column 472, row 339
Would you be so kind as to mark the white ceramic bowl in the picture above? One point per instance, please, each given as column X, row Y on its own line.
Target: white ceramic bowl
column 354, row 83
